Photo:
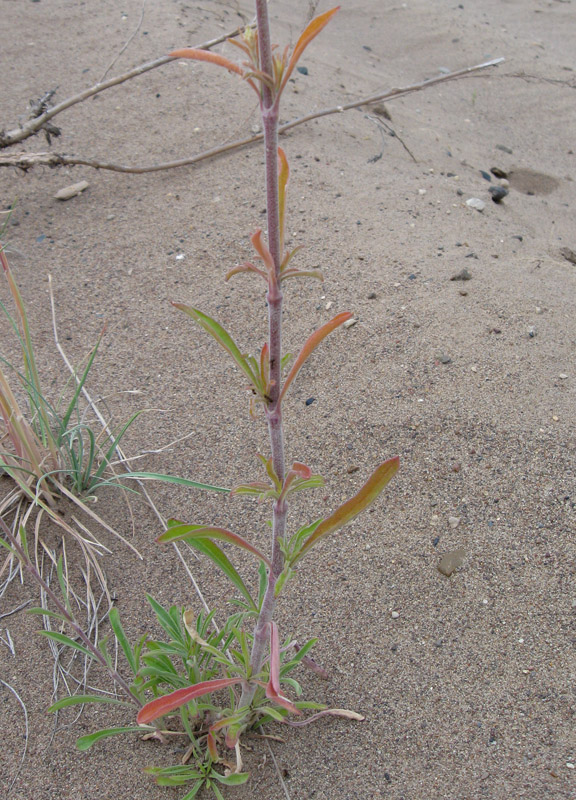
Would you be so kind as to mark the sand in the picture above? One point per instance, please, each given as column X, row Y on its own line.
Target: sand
column 467, row 682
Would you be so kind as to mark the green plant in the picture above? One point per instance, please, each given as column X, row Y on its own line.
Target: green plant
column 245, row 662
column 56, row 450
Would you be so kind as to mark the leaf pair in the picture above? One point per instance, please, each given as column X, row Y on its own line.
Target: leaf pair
column 282, row 66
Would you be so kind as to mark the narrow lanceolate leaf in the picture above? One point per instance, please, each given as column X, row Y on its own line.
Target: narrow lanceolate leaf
column 312, row 342
column 273, row 685
column 84, row 742
column 206, row 55
column 283, row 175
column 81, row 699
column 349, row 510
column 218, row 557
column 122, row 639
column 170, row 702
column 190, row 532
column 158, row 476
column 66, row 640
column 223, row 338
column 310, row 32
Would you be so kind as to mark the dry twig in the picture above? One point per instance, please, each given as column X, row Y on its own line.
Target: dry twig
column 26, row 161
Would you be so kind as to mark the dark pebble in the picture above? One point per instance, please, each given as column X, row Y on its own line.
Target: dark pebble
column 365, row 47
column 372, row 296
column 486, row 176
column 504, row 149
column 41, row 237
column 517, row 236
column 435, row 541
column 498, row 193
column 568, row 254
column 498, row 173
column 412, row 277
column 302, row 70
column 310, row 401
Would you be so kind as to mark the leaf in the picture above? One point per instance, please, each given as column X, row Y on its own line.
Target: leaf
column 62, row 639
column 283, row 175
column 191, row 532
column 170, row 702
column 224, row 339
column 122, row 639
column 85, row 742
column 81, row 699
column 156, row 476
column 273, row 685
column 310, row 32
column 235, row 779
column 349, row 510
column 311, row 343
column 206, row 55
column 218, row 557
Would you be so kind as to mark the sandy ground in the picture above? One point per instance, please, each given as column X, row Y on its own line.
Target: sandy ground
column 469, row 689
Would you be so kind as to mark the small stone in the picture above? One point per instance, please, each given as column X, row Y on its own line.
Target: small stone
column 110, row 217
column 570, row 765
column 328, row 305
column 498, row 173
column 372, row 296
column 422, row 192
column 302, row 70
column 454, row 521
column 486, row 176
column 463, row 292
column 450, row 561
column 568, row 254
column 310, row 400
column 504, row 149
column 71, row 191
column 350, row 322
column 563, row 376
column 531, row 332
column 498, row 193
column 444, row 359
column 394, row 615
column 463, row 275
column 475, row 202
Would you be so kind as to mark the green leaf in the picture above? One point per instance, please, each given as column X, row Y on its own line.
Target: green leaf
column 218, row 557
column 85, row 742
column 157, row 476
column 349, row 510
column 179, row 530
column 235, row 779
column 62, row 639
column 122, row 639
column 164, row 618
column 225, row 340
column 44, row 612
column 195, row 789
column 81, row 699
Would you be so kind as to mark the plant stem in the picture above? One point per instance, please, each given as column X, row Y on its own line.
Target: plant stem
column 269, row 111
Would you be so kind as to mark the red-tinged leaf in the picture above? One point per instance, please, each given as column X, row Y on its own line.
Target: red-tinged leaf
column 349, row 510
column 207, row 55
column 265, row 364
column 212, row 749
column 273, row 685
column 246, row 267
column 170, row 702
column 313, row 342
column 283, row 175
column 189, row 532
column 302, row 470
column 262, row 250
column 310, row 32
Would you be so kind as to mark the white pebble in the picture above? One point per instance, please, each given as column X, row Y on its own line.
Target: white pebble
column 454, row 521
column 475, row 202
column 350, row 322
column 394, row 615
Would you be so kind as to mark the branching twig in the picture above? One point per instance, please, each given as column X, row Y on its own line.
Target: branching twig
column 33, row 126
column 126, row 43
column 26, row 161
